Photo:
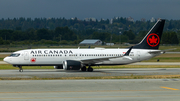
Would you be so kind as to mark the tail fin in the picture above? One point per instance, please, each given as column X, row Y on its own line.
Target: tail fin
column 153, row 37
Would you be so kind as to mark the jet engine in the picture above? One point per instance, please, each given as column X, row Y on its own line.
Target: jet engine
column 71, row 65
column 58, row 67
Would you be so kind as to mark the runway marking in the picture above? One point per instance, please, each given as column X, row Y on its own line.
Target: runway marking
column 170, row 88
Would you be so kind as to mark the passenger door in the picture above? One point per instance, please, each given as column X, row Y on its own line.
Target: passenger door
column 26, row 55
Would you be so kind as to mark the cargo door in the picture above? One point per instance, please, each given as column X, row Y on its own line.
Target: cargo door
column 138, row 55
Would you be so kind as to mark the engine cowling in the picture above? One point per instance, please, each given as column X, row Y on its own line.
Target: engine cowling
column 58, row 67
column 71, row 65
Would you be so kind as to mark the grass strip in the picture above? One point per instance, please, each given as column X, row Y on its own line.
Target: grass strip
column 106, row 77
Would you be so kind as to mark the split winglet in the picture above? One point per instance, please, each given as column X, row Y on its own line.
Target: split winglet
column 128, row 52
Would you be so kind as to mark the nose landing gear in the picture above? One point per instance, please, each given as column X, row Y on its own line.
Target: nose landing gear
column 83, row 68
column 20, row 69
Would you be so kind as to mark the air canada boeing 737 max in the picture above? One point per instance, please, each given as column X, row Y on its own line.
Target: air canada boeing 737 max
column 76, row 59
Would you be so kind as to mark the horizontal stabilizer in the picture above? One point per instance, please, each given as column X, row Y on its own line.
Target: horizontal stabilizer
column 160, row 51
column 155, row 52
column 164, row 51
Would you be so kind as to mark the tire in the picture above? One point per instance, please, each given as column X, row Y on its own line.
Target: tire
column 83, row 68
column 90, row 69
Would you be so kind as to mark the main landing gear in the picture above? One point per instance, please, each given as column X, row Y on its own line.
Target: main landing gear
column 83, row 68
column 20, row 69
column 89, row 69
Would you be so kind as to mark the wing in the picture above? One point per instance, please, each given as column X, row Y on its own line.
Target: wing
column 96, row 60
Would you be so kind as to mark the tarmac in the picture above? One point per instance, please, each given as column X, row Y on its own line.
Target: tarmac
column 90, row 90
column 53, row 73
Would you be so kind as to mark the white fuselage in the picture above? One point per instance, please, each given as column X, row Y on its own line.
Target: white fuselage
column 53, row 57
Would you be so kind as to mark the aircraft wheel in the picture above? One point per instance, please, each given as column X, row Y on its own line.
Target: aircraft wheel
column 20, row 69
column 83, row 68
column 90, row 69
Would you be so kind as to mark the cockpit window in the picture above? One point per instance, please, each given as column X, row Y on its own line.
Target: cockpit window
column 14, row 55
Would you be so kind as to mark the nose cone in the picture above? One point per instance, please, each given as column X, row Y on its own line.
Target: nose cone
column 6, row 60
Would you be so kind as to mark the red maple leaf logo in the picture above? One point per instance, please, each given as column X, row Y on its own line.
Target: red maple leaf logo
column 33, row 60
column 153, row 39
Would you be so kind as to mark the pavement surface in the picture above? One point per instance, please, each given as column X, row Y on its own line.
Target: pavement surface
column 2, row 62
column 90, row 90
column 54, row 73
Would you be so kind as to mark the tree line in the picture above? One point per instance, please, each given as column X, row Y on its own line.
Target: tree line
column 72, row 31
column 64, row 35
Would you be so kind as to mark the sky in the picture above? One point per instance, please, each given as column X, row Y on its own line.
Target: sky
column 106, row 9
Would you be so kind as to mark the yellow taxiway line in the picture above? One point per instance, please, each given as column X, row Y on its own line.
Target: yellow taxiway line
column 170, row 88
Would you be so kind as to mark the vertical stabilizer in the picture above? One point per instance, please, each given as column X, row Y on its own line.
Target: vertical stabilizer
column 153, row 37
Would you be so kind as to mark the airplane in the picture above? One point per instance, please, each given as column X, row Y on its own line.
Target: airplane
column 76, row 59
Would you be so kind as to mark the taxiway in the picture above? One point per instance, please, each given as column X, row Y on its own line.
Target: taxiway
column 53, row 73
column 88, row 90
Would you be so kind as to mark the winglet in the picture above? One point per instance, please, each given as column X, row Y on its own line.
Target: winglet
column 128, row 52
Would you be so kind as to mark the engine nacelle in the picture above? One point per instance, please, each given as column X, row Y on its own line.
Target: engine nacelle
column 71, row 65
column 58, row 67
